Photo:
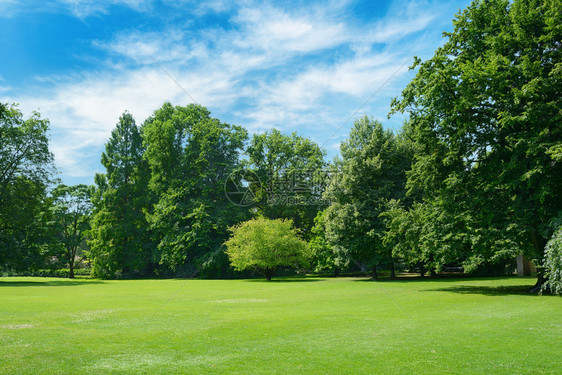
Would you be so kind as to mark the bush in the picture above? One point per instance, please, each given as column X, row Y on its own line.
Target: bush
column 63, row 273
column 553, row 263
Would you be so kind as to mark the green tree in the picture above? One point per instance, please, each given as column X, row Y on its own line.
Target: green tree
column 425, row 237
column 71, row 212
column 263, row 245
column 372, row 172
column 324, row 256
column 486, row 110
column 289, row 168
column 119, row 237
column 26, row 168
column 191, row 155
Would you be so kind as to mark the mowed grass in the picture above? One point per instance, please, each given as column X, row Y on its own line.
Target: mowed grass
column 289, row 326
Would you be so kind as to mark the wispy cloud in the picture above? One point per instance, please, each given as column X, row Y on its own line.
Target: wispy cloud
column 303, row 69
column 86, row 8
column 279, row 32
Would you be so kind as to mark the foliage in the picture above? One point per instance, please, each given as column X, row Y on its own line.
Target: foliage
column 59, row 272
column 190, row 155
column 26, row 166
column 371, row 173
column 71, row 212
column 553, row 261
column 119, row 238
column 287, row 167
column 264, row 244
column 410, row 234
column 324, row 256
column 486, row 112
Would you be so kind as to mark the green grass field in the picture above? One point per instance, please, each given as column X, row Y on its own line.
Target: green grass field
column 290, row 326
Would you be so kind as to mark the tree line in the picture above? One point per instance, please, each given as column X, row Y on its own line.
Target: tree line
column 472, row 179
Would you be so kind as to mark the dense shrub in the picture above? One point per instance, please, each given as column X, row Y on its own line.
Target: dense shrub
column 63, row 272
column 553, row 263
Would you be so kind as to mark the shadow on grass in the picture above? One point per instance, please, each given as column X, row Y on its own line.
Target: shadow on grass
column 63, row 282
column 455, row 280
column 502, row 290
column 283, row 280
column 439, row 278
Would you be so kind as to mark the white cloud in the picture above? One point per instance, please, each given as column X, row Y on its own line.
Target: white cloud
column 79, row 8
column 85, row 8
column 146, row 47
column 8, row 8
column 4, row 88
column 262, row 72
column 272, row 29
column 83, row 113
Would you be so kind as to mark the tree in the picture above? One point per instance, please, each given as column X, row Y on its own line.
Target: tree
column 263, row 245
column 289, row 170
column 425, row 237
column 26, row 167
column 324, row 256
column 372, row 172
column 486, row 110
column 119, row 237
column 191, row 155
column 71, row 217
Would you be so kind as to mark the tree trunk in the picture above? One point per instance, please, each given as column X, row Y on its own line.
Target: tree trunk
column 422, row 270
column 268, row 273
column 336, row 271
column 71, row 268
column 538, row 243
column 375, row 273
column 392, row 270
column 538, row 285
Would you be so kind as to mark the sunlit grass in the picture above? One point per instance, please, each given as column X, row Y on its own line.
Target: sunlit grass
column 306, row 325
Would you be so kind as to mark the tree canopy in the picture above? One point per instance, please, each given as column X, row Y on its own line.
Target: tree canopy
column 371, row 173
column 486, row 114
column 263, row 244
column 71, row 212
column 287, row 168
column 26, row 168
column 119, row 237
column 190, row 155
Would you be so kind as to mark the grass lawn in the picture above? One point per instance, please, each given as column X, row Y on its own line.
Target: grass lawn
column 289, row 326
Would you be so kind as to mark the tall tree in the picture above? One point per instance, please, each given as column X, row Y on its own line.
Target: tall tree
column 26, row 168
column 191, row 156
column 486, row 108
column 372, row 172
column 120, row 242
column 72, row 210
column 290, row 171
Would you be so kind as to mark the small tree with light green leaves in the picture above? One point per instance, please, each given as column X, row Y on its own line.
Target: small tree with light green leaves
column 263, row 245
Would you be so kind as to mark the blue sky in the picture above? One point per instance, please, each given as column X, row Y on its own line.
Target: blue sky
column 300, row 66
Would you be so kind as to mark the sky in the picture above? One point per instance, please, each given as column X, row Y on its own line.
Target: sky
column 306, row 66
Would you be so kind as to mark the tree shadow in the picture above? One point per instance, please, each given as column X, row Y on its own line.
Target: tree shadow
column 502, row 290
column 460, row 287
column 62, row 282
column 283, row 280
column 438, row 278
